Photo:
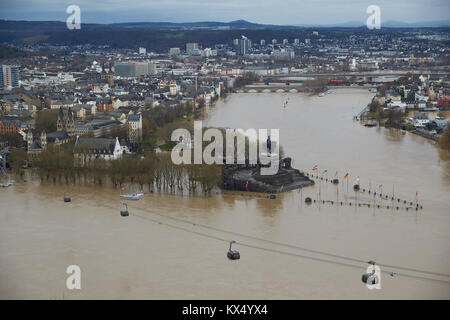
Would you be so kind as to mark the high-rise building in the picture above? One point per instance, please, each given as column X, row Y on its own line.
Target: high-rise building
column 297, row 41
column 243, row 46
column 142, row 51
column 2, row 81
column 262, row 42
column 9, row 76
column 274, row 41
column 191, row 46
column 285, row 41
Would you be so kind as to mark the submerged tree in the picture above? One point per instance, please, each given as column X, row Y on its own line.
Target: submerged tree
column 444, row 141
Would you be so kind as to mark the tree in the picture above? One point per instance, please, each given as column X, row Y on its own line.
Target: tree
column 246, row 78
column 394, row 118
column 46, row 120
column 382, row 90
column 201, row 103
column 13, row 139
column 17, row 158
column 148, row 128
column 374, row 106
column 444, row 141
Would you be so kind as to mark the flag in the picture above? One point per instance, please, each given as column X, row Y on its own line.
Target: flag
column 417, row 194
column 281, row 188
column 346, row 176
column 246, row 186
column 335, row 175
column 315, row 167
column 380, row 186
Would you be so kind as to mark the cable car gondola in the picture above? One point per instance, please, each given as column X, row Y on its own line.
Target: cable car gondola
column 124, row 213
column 66, row 198
column 233, row 254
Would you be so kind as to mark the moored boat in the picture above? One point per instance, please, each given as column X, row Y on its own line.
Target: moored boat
column 132, row 196
column 7, row 184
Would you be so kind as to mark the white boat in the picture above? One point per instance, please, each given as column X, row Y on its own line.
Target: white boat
column 132, row 196
column 7, row 184
column 323, row 94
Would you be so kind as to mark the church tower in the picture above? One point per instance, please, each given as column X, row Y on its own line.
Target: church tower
column 29, row 139
column 60, row 121
column 69, row 123
column 65, row 121
column 43, row 140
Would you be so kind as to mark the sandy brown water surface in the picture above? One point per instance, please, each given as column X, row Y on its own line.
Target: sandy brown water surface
column 134, row 257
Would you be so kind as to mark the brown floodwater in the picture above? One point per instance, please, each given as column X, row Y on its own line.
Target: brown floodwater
column 137, row 258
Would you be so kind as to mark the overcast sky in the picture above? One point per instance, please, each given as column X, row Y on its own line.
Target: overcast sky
column 259, row 11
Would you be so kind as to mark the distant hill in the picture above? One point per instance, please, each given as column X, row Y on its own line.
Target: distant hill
column 237, row 24
column 48, row 26
column 424, row 24
column 385, row 24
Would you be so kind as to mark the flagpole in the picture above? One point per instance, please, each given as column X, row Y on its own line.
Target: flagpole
column 337, row 194
column 374, row 199
column 320, row 184
column 417, row 196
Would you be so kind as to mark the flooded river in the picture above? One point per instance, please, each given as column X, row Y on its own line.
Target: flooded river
column 136, row 257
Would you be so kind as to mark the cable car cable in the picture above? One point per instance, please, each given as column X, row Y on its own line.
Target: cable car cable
column 282, row 252
column 300, row 248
